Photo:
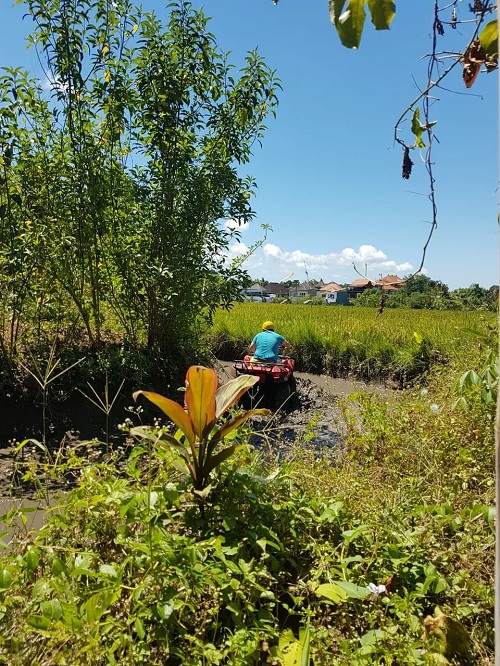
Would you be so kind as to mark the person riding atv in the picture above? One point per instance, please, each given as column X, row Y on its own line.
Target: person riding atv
column 276, row 381
column 265, row 345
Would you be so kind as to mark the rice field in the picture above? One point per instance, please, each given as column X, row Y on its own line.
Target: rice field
column 401, row 344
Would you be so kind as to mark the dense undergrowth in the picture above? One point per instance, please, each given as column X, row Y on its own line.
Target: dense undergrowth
column 336, row 340
column 347, row 557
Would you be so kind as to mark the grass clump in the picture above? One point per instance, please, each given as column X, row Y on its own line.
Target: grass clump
column 379, row 554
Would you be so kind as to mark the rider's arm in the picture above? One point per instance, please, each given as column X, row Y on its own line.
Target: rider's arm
column 286, row 345
column 253, row 347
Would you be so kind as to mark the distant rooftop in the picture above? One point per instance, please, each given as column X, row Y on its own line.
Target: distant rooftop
column 332, row 287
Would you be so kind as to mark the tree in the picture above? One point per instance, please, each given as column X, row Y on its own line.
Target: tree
column 121, row 179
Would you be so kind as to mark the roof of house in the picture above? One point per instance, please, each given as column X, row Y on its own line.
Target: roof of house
column 305, row 286
column 390, row 279
column 361, row 283
column 276, row 288
column 331, row 287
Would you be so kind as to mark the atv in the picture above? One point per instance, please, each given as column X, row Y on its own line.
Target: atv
column 276, row 381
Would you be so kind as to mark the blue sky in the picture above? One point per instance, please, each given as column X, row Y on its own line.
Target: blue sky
column 329, row 175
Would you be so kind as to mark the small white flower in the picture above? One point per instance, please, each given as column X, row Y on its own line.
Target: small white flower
column 376, row 589
column 424, row 392
column 435, row 408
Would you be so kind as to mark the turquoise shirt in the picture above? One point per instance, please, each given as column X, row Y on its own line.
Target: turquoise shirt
column 267, row 345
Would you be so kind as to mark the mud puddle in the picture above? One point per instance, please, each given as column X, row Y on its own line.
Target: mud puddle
column 311, row 417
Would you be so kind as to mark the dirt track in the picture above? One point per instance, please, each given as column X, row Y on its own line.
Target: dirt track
column 312, row 416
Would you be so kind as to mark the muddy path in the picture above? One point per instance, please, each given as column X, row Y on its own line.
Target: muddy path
column 312, row 417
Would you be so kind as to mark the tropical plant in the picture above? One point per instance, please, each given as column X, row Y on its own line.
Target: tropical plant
column 117, row 171
column 197, row 437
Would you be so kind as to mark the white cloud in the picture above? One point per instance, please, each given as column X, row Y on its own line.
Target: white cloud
column 236, row 225
column 237, row 249
column 328, row 266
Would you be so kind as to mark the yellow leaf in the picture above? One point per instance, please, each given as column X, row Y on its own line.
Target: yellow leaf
column 107, row 75
column 105, row 49
column 135, row 28
column 201, row 385
column 172, row 409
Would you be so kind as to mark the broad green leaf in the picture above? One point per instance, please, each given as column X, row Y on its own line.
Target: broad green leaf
column 353, row 591
column 5, row 579
column 41, row 589
column 348, row 22
column 98, row 604
column 417, row 128
column 165, row 610
column 32, row 558
column 38, row 622
column 371, row 637
column 305, row 640
column 332, row 592
column 201, row 385
column 171, row 409
column 232, row 391
column 289, row 648
column 489, row 38
column 108, row 570
column 486, row 396
column 331, row 512
column 51, row 609
column 139, row 627
column 382, row 13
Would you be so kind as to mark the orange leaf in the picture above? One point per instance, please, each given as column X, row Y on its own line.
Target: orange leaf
column 201, row 384
column 172, row 409
column 231, row 392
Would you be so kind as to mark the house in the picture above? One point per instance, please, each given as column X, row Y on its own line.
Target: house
column 306, row 289
column 276, row 289
column 334, row 294
column 254, row 293
column 389, row 284
column 359, row 286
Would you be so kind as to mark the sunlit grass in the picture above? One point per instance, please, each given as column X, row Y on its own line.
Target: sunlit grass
column 339, row 340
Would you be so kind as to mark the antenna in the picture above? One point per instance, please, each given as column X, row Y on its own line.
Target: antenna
column 307, row 274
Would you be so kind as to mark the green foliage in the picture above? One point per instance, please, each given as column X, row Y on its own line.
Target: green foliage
column 349, row 18
column 482, row 384
column 422, row 293
column 113, row 186
column 339, row 564
column 370, row 298
column 489, row 38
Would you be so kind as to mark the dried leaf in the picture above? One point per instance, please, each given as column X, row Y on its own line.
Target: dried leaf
column 407, row 163
column 473, row 58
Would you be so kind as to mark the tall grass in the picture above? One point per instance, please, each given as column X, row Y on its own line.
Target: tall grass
column 400, row 344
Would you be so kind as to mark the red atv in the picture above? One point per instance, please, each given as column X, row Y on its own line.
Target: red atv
column 276, row 381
